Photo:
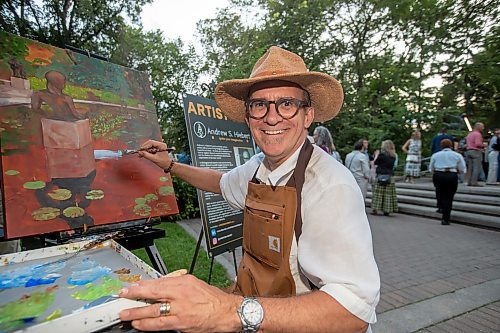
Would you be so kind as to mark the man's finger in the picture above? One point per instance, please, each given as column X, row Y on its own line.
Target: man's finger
column 156, row 324
column 149, row 311
column 157, row 289
column 178, row 272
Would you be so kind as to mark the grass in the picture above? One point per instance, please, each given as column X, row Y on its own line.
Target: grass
column 177, row 250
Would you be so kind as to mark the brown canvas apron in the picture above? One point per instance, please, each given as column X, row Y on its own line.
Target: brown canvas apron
column 271, row 215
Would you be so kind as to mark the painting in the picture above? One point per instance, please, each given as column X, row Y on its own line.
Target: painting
column 69, row 127
column 67, row 287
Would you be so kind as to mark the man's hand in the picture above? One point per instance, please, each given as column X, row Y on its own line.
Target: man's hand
column 162, row 159
column 194, row 306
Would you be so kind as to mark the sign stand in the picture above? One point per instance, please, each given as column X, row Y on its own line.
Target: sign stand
column 197, row 251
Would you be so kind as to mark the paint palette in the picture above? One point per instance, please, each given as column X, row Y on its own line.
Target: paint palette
column 53, row 290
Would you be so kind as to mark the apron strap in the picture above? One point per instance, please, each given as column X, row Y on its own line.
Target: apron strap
column 297, row 181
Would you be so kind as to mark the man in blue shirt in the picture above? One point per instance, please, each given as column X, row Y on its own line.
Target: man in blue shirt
column 445, row 166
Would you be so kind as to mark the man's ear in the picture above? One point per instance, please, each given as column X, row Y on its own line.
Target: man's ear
column 309, row 117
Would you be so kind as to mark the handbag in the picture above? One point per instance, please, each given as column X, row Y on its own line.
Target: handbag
column 383, row 180
column 412, row 158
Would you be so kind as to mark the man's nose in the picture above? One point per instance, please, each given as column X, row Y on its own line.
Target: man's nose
column 273, row 116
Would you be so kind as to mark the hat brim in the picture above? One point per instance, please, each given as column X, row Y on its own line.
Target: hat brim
column 325, row 92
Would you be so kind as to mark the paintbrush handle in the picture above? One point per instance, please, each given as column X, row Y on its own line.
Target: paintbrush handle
column 154, row 150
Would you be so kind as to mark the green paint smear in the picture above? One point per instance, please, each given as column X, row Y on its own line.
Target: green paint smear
column 11, row 172
column 54, row 315
column 13, row 313
column 92, row 292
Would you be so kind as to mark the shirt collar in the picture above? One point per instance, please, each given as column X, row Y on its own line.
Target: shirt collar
column 281, row 174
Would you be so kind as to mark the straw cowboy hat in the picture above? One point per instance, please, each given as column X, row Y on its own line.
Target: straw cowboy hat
column 278, row 64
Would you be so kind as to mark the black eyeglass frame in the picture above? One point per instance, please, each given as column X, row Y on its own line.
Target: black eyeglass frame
column 298, row 103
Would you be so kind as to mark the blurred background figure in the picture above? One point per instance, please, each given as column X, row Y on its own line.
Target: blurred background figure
column 436, row 141
column 445, row 166
column 384, row 192
column 413, row 149
column 474, row 154
column 323, row 138
column 336, row 154
column 357, row 162
column 493, row 158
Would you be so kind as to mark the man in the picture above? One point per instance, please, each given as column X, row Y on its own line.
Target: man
column 436, row 141
column 357, row 162
column 308, row 255
column 474, row 154
column 445, row 165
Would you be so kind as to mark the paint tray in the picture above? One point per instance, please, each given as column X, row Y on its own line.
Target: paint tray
column 66, row 303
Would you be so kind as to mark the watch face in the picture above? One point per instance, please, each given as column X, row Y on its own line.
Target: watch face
column 252, row 312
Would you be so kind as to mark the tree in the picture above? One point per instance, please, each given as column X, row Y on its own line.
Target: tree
column 92, row 25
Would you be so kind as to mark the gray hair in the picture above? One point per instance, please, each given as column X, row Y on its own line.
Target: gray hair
column 324, row 137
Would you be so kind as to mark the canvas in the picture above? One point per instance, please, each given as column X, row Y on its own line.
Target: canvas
column 67, row 125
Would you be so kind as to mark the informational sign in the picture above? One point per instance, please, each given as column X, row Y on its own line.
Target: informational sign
column 220, row 144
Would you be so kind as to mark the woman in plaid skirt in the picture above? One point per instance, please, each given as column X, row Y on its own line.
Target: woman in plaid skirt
column 384, row 194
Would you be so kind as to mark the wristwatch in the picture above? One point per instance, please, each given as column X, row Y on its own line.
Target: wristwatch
column 251, row 314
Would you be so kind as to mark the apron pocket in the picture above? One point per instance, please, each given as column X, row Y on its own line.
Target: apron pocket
column 264, row 237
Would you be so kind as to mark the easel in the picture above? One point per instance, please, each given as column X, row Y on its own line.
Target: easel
column 136, row 235
column 197, row 251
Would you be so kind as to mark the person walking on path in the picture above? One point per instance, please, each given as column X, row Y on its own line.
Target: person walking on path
column 384, row 190
column 357, row 162
column 445, row 166
column 308, row 258
column 474, row 154
column 323, row 138
column 413, row 149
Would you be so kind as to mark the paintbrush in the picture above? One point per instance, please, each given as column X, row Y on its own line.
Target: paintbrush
column 151, row 150
column 86, row 247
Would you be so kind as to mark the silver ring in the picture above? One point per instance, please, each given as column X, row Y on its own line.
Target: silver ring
column 164, row 309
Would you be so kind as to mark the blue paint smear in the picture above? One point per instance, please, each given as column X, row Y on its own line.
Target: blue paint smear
column 19, row 277
column 47, row 279
column 87, row 271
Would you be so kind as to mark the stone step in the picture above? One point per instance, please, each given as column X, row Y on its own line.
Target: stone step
column 481, row 199
column 456, row 216
column 457, row 205
column 488, row 190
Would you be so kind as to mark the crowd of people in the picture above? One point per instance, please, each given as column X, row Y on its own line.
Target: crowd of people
column 451, row 162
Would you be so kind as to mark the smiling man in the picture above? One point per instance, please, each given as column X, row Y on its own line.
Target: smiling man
column 308, row 261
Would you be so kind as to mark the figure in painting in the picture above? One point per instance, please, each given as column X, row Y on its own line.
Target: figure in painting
column 67, row 140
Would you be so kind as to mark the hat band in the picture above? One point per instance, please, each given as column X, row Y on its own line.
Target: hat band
column 271, row 84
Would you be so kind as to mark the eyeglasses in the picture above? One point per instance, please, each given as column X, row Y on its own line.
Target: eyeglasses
column 287, row 108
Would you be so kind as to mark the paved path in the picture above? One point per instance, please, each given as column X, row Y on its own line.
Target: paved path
column 435, row 278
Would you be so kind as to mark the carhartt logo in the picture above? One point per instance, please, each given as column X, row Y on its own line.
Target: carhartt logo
column 274, row 244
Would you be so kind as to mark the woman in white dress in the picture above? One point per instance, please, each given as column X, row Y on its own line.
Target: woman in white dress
column 413, row 149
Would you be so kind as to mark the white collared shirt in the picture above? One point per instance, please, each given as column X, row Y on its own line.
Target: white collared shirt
column 335, row 249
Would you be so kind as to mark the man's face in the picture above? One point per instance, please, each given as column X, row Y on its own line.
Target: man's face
column 365, row 144
column 278, row 138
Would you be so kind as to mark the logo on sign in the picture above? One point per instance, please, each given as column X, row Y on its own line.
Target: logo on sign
column 199, row 129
